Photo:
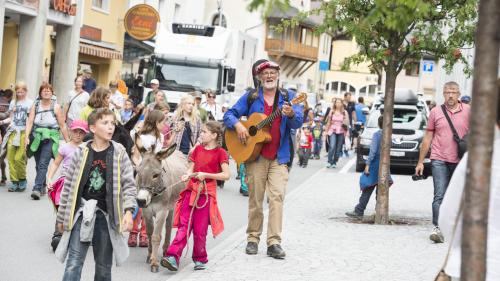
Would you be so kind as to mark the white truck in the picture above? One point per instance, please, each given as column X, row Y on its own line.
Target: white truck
column 191, row 57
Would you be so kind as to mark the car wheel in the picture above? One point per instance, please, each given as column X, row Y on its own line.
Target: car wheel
column 360, row 164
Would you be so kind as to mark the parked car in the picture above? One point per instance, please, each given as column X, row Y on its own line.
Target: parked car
column 409, row 125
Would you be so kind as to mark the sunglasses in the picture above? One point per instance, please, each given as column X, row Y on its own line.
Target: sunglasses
column 211, row 97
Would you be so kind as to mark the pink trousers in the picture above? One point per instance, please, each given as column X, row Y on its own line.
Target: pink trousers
column 139, row 220
column 199, row 228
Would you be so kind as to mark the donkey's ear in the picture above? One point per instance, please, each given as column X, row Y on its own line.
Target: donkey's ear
column 138, row 144
column 164, row 153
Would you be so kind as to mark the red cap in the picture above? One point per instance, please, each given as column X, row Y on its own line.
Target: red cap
column 265, row 65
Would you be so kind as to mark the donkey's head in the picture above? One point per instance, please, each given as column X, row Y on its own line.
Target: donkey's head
column 149, row 174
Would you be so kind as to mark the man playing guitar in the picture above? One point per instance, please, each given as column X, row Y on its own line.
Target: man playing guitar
column 268, row 173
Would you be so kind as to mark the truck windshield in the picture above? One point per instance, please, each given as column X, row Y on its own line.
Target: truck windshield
column 186, row 78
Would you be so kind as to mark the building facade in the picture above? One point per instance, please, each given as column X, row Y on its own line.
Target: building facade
column 52, row 40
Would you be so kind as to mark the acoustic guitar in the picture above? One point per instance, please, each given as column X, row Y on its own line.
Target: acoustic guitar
column 258, row 125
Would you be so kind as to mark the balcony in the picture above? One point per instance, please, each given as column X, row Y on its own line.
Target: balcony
column 288, row 48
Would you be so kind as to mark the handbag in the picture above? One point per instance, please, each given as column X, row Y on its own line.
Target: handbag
column 345, row 122
column 461, row 142
column 442, row 276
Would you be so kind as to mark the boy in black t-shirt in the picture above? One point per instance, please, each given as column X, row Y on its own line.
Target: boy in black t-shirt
column 97, row 201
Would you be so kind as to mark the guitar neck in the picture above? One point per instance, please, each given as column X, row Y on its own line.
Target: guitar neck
column 269, row 119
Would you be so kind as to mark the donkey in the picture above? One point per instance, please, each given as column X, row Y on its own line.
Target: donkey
column 158, row 182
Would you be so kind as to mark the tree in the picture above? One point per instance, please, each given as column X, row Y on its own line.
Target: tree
column 390, row 33
column 477, row 185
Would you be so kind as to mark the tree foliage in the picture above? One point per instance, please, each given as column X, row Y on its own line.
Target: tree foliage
column 403, row 30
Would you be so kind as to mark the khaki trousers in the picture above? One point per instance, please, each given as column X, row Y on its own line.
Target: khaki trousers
column 266, row 176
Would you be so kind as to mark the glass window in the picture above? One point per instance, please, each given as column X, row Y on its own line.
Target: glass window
column 101, row 4
column 402, row 118
column 185, row 78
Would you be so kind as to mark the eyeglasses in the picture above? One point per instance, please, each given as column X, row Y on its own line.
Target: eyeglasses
column 211, row 97
column 269, row 73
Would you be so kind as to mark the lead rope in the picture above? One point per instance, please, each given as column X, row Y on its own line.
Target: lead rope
column 201, row 186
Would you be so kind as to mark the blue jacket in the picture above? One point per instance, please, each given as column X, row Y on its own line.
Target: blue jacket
column 232, row 116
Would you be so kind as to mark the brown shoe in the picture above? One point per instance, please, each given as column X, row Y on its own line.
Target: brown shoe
column 132, row 240
column 143, row 241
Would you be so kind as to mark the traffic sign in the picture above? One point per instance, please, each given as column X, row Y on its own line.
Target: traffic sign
column 428, row 66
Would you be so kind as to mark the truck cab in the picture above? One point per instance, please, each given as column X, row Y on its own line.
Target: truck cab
column 190, row 58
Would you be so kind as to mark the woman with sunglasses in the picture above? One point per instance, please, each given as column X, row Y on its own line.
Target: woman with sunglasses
column 213, row 109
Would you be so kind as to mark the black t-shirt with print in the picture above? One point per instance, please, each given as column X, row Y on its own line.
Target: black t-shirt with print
column 95, row 187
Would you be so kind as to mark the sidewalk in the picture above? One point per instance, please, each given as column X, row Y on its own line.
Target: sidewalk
column 321, row 244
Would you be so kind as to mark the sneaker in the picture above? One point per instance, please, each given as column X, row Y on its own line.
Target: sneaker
column 275, row 251
column 328, row 166
column 436, row 235
column 132, row 240
column 22, row 185
column 35, row 195
column 170, row 263
column 143, row 241
column 243, row 192
column 252, row 248
column 3, row 182
column 333, row 166
column 13, row 186
column 198, row 265
column 354, row 215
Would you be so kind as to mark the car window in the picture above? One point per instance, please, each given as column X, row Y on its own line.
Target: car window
column 402, row 118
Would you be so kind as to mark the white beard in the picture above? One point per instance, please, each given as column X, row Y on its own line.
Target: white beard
column 270, row 85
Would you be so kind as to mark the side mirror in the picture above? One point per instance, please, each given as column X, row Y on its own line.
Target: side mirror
column 142, row 65
column 231, row 77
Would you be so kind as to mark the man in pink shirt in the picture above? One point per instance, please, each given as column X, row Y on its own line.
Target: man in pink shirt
column 444, row 148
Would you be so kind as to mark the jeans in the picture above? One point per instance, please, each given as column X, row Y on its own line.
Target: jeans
column 101, row 245
column 42, row 159
column 336, row 141
column 363, row 200
column 441, row 175
column 317, row 147
column 304, row 154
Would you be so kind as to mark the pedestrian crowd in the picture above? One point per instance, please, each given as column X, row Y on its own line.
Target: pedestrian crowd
column 93, row 140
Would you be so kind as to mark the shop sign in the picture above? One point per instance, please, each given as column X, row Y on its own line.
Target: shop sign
column 63, row 6
column 140, row 22
column 91, row 33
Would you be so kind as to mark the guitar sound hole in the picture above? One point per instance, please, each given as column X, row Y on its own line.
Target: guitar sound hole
column 252, row 131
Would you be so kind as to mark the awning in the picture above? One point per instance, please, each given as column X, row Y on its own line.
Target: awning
column 101, row 52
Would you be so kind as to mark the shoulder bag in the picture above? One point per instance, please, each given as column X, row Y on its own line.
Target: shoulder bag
column 461, row 142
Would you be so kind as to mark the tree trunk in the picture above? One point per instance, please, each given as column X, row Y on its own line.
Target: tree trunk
column 382, row 206
column 484, row 106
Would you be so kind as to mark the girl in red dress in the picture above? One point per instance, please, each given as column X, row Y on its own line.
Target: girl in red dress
column 197, row 204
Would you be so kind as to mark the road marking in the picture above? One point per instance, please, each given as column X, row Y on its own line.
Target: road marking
column 348, row 166
column 239, row 236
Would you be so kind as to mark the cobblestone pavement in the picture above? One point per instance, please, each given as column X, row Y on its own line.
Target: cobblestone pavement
column 322, row 244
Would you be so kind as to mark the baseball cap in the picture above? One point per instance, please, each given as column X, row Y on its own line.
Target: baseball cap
column 196, row 94
column 465, row 99
column 79, row 124
column 155, row 81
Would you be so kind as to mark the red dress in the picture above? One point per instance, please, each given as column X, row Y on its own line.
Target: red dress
column 208, row 161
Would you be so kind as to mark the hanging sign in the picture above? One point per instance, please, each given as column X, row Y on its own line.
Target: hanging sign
column 140, row 22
